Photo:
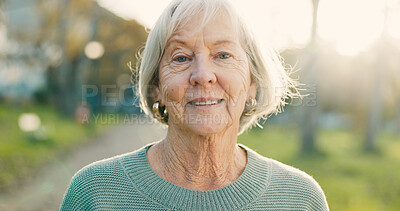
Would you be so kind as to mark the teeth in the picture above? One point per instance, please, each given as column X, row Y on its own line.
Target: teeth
column 209, row 102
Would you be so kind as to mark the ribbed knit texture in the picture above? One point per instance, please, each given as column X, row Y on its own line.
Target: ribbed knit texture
column 127, row 182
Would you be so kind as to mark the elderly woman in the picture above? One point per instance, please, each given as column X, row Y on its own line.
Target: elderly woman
column 201, row 74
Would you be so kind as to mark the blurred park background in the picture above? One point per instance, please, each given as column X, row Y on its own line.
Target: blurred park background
column 65, row 83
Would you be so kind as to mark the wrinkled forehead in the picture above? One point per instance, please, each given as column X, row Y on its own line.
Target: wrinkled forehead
column 218, row 28
column 195, row 21
column 201, row 20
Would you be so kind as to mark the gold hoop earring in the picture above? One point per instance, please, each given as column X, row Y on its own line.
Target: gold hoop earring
column 250, row 107
column 159, row 112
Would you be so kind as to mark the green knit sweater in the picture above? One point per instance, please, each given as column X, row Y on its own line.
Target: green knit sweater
column 127, row 182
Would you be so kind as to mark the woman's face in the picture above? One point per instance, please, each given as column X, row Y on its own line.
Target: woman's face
column 204, row 77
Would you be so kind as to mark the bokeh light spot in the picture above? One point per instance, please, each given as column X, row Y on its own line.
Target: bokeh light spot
column 94, row 50
column 29, row 122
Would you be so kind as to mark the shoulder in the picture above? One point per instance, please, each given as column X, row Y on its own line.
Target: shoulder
column 98, row 181
column 287, row 179
column 110, row 167
column 290, row 185
column 286, row 175
column 109, row 170
column 98, row 170
column 280, row 172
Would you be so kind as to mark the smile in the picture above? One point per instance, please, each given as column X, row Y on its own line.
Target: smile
column 205, row 102
column 208, row 102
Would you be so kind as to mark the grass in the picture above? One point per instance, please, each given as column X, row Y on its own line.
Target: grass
column 21, row 153
column 350, row 178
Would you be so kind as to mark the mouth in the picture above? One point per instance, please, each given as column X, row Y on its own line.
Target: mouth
column 205, row 101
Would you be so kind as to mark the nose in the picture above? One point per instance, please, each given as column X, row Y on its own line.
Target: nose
column 203, row 72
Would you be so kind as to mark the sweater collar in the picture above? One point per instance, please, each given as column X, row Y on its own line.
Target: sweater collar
column 251, row 183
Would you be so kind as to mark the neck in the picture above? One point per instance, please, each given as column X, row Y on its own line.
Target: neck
column 198, row 162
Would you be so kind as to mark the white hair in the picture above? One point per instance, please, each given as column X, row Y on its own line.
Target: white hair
column 274, row 85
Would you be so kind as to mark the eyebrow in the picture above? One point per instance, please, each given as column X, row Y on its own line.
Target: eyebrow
column 173, row 41
column 218, row 42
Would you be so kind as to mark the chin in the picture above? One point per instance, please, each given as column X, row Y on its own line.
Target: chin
column 205, row 130
column 205, row 126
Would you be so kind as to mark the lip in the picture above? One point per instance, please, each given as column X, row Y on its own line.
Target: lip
column 205, row 99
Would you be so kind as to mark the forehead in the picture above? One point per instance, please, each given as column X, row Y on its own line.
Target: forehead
column 218, row 29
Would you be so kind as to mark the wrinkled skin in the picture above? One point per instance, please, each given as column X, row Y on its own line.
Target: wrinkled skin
column 205, row 63
column 200, row 151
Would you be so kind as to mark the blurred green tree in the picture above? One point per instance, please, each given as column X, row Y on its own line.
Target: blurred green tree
column 69, row 26
column 384, row 51
column 309, row 116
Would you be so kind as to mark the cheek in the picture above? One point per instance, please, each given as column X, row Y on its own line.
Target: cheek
column 176, row 92
column 173, row 86
column 235, row 75
column 235, row 82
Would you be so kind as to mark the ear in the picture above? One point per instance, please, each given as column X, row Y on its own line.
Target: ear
column 252, row 92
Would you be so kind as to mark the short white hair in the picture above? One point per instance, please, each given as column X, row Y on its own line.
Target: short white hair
column 274, row 85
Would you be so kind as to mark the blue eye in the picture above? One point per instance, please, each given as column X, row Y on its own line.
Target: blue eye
column 181, row 59
column 224, row 56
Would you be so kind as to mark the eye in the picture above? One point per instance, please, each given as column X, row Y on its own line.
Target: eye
column 181, row 59
column 224, row 56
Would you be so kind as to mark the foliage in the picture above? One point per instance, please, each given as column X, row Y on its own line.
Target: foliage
column 350, row 178
column 21, row 152
column 67, row 27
